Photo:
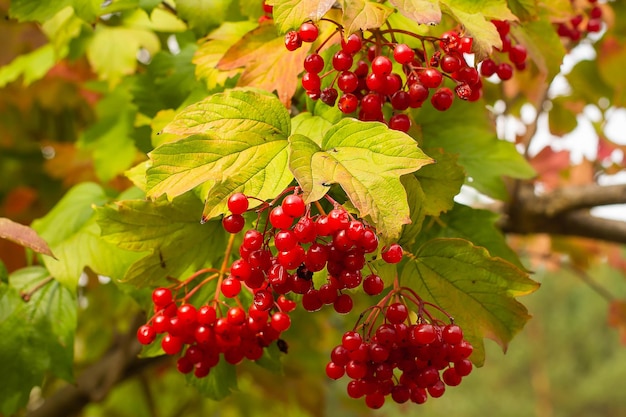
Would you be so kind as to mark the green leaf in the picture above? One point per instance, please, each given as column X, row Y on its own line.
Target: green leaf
column 561, row 119
column 366, row 160
column 524, row 9
column 417, row 206
column 543, row 44
column 28, row 10
column 112, row 52
column 271, row 359
column 363, row 15
column 476, row 17
column 440, row 181
column 71, row 231
column 211, row 52
column 170, row 231
column 23, row 235
column 41, row 335
column 421, row 11
column 477, row 290
column 290, row 14
column 587, row 84
column 257, row 165
column 219, row 384
column 467, row 131
column 202, row 15
column 475, row 225
column 611, row 62
column 31, row 66
column 310, row 125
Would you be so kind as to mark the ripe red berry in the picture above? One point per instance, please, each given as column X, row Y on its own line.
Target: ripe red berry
column 233, row 223
column 343, row 304
column 161, row 297
column 352, row 44
column 314, row 63
column 171, row 344
column 334, row 371
column 293, row 205
column 292, row 40
column 347, row 81
column 403, row 54
column 373, row 285
column 517, row 54
column 465, row 45
column 400, row 100
column 450, row 63
column 393, row 255
column 238, row 203
column 280, row 321
column 442, row 99
column 504, row 71
column 230, row 287
column 381, row 65
column 430, row 77
column 311, row 81
column 308, row 32
column 279, row 219
column 342, row 61
column 146, row 334
column 423, row 334
column 488, row 67
column 400, row 122
column 348, row 103
column 452, row 334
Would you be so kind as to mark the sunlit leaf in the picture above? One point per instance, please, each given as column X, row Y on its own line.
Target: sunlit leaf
column 170, row 231
column 477, row 290
column 417, row 202
column 201, row 15
column 363, row 15
column 41, row 334
column 30, row 66
column 421, row 11
column 290, row 14
column 366, row 160
column 23, row 235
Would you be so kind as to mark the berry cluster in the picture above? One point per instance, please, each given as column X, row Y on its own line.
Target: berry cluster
column 304, row 244
column 364, row 77
column 202, row 336
column 588, row 20
column 267, row 13
column 516, row 54
column 404, row 359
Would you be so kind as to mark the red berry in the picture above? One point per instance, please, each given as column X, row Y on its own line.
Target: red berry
column 311, row 81
column 418, row 93
column 308, row 32
column 314, row 63
column 161, row 297
column 381, row 65
column 292, row 40
column 171, row 344
column 397, row 313
column 451, row 377
column 348, row 103
column 343, row 304
column 329, row 96
column 442, row 99
column 373, row 285
column 279, row 219
column 504, row 71
column 517, row 54
column 375, row 400
column 403, row 54
column 233, row 223
column 371, row 103
column 430, row 77
column 400, row 122
column 285, row 240
column 400, row 100
column 311, row 301
column 452, row 334
column 293, row 205
column 465, row 45
column 393, row 255
column 342, row 61
column 423, row 334
column 206, row 315
column 347, row 81
column 594, row 25
column 187, row 314
column 450, row 63
column 595, row 13
column 146, row 334
column 280, row 321
column 503, row 27
column 230, row 287
column 352, row 44
column 238, row 203
column 334, row 371
column 488, row 68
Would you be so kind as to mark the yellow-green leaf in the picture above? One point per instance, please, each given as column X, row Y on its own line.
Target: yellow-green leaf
column 421, row 11
column 363, row 15
column 477, row 290
column 290, row 14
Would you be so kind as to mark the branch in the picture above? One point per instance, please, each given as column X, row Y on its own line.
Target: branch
column 93, row 385
column 565, row 212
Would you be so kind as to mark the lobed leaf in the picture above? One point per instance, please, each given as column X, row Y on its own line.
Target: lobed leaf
column 421, row 11
column 41, row 335
column 440, row 181
column 363, row 15
column 290, row 14
column 476, row 289
column 366, row 160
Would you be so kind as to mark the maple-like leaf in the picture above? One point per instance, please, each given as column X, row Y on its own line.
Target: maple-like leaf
column 363, row 15
column 421, row 11
column 289, row 14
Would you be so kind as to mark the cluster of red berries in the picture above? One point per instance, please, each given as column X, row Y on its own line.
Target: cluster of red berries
column 267, row 13
column 404, row 360
column 304, row 244
column 203, row 337
column 516, row 53
column 363, row 77
column 589, row 20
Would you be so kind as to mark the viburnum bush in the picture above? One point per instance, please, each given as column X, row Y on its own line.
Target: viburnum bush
column 256, row 169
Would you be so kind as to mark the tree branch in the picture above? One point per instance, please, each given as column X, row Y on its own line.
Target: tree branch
column 95, row 382
column 565, row 212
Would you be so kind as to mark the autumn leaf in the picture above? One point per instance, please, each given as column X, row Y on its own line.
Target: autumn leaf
column 421, row 11
column 617, row 317
column 363, row 15
column 289, row 14
column 23, row 235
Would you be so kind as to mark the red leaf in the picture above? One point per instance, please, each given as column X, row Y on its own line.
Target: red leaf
column 617, row 317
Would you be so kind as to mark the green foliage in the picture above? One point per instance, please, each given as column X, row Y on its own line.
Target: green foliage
column 194, row 101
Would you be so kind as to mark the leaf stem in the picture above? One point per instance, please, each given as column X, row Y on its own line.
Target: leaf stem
column 26, row 296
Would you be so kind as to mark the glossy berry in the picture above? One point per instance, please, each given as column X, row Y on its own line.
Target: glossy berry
column 146, row 334
column 293, row 205
column 347, row 81
column 280, row 321
column 400, row 122
column 343, row 304
column 233, row 223
column 517, row 54
column 373, row 285
column 161, row 297
column 237, row 203
column 381, row 65
column 348, row 103
column 230, row 287
column 430, row 77
column 311, row 81
column 442, row 99
column 488, row 67
column 279, row 219
column 403, row 54
column 393, row 255
column 292, row 40
column 352, row 44
column 450, row 63
column 504, row 71
column 314, row 63
column 329, row 96
column 171, row 344
column 308, row 32
column 342, row 61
